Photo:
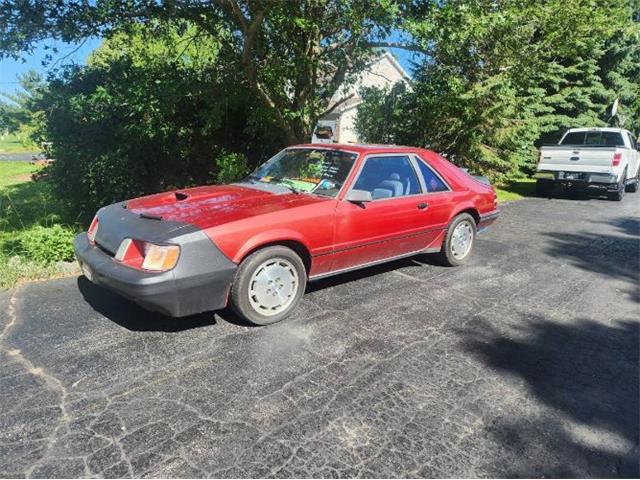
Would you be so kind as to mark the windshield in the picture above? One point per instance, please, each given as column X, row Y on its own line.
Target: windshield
column 318, row 171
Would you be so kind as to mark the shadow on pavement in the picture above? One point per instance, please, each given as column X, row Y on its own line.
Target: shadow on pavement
column 355, row 275
column 586, row 371
column 615, row 256
column 132, row 317
column 577, row 193
column 627, row 225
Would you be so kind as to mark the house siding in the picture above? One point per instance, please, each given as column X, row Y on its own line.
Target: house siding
column 383, row 73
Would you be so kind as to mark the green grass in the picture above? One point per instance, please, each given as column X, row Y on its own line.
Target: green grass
column 12, row 144
column 516, row 190
column 26, row 206
column 15, row 172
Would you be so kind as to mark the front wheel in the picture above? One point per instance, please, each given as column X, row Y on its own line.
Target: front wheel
column 268, row 285
column 459, row 240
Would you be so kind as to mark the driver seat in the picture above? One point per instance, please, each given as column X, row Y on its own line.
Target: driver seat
column 392, row 187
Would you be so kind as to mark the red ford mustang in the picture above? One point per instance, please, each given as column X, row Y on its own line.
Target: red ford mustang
column 307, row 213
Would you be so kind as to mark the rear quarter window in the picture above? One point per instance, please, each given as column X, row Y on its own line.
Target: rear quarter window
column 431, row 180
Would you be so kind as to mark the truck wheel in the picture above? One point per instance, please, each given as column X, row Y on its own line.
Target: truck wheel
column 459, row 240
column 633, row 187
column 618, row 195
column 268, row 285
column 544, row 188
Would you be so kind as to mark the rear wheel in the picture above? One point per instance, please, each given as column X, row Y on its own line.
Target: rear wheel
column 459, row 240
column 618, row 195
column 268, row 285
column 633, row 187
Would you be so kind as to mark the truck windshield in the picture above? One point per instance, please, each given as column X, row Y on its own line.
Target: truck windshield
column 595, row 138
column 318, row 171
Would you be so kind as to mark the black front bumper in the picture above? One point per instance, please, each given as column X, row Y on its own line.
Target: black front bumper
column 199, row 282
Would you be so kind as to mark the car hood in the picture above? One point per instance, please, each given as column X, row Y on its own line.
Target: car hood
column 210, row 206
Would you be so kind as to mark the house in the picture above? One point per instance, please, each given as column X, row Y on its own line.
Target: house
column 339, row 125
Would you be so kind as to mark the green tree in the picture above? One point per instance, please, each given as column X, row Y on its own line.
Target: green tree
column 17, row 110
column 500, row 78
column 292, row 56
column 382, row 116
column 155, row 108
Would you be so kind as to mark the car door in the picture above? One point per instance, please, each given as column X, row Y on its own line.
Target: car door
column 392, row 224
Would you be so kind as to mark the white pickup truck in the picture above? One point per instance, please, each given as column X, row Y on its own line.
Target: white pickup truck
column 603, row 158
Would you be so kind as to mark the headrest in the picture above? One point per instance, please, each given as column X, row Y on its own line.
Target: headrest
column 394, row 176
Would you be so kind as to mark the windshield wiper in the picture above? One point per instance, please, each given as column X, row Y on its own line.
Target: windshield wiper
column 285, row 182
column 251, row 178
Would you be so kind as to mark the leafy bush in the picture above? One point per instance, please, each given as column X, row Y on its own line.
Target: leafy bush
column 31, row 244
column 47, row 245
column 150, row 111
column 15, row 269
column 231, row 167
column 495, row 83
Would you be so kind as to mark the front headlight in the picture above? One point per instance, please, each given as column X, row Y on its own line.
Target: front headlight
column 160, row 258
column 147, row 256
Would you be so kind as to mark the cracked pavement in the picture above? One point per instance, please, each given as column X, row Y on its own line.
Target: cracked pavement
column 522, row 363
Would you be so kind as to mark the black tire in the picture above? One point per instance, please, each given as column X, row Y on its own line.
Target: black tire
column 446, row 254
column 618, row 195
column 632, row 187
column 544, row 188
column 241, row 302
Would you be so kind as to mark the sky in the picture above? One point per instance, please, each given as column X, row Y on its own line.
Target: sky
column 78, row 53
column 67, row 54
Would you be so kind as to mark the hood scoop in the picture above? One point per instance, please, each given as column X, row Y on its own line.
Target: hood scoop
column 193, row 204
column 150, row 217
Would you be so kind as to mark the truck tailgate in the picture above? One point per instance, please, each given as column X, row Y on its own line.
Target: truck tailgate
column 577, row 159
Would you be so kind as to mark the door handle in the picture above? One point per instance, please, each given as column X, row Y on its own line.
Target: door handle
column 422, row 205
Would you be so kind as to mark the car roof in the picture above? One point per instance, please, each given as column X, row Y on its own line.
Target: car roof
column 360, row 147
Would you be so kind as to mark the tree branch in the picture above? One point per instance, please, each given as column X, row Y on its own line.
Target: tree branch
column 336, row 105
column 250, row 29
column 411, row 48
column 235, row 10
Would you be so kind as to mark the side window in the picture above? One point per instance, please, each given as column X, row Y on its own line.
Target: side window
column 634, row 143
column 431, row 180
column 387, row 177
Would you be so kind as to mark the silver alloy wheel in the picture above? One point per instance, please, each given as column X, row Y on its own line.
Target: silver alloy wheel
column 273, row 286
column 462, row 239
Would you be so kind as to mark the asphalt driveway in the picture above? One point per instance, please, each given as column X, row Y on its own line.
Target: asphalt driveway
column 19, row 156
column 523, row 363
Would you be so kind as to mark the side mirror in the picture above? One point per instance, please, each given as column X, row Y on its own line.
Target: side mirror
column 359, row 196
